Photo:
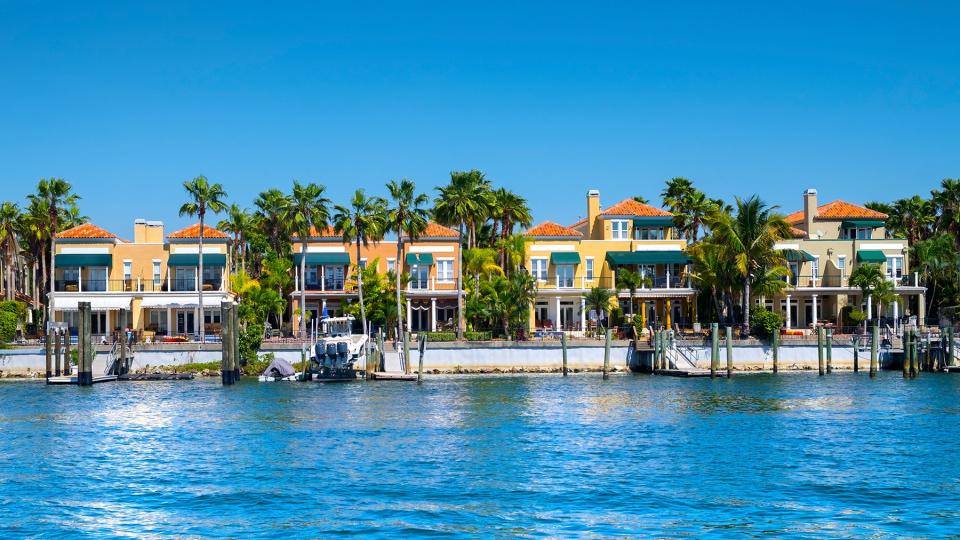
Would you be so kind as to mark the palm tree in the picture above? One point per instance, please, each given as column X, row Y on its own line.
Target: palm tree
column 598, row 299
column 408, row 218
column 867, row 277
column 275, row 275
column 697, row 208
column 307, row 212
column 364, row 221
column 630, row 280
column 641, row 199
column 480, row 262
column 749, row 237
column 272, row 209
column 911, row 218
column 523, row 292
column 514, row 249
column 714, row 271
column 202, row 197
column 55, row 194
column 936, row 260
column 9, row 226
column 947, row 201
column 511, row 210
column 675, row 193
column 457, row 205
column 238, row 223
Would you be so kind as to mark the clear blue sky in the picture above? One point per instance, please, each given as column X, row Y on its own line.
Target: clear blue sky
column 127, row 100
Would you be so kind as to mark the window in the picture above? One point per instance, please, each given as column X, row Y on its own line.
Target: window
column 858, row 233
column 618, row 229
column 311, row 278
column 391, row 264
column 332, row 277
column 127, row 270
column 538, row 268
column 211, row 276
column 211, row 316
column 96, row 279
column 158, row 321
column 445, row 270
column 589, row 267
column 648, row 233
column 184, row 278
column 894, row 267
column 815, row 268
column 363, row 263
column 156, row 274
column 565, row 275
column 842, row 264
column 419, row 276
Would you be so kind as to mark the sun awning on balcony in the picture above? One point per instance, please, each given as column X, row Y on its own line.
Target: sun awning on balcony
column 180, row 301
column 564, row 257
column 106, row 303
column 861, row 223
column 336, row 258
column 797, row 255
column 193, row 259
column 419, row 259
column 620, row 258
column 871, row 256
column 653, row 221
column 83, row 259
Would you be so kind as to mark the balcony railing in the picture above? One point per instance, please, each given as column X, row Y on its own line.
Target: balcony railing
column 809, row 281
column 553, row 281
column 135, row 285
column 431, row 284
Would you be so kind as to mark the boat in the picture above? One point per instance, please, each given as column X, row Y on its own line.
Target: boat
column 336, row 352
column 279, row 370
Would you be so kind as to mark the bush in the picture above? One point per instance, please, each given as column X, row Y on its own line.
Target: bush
column 857, row 316
column 764, row 322
column 250, row 340
column 452, row 336
column 8, row 326
column 19, row 309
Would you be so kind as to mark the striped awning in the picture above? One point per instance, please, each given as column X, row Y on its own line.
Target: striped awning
column 103, row 303
column 419, row 259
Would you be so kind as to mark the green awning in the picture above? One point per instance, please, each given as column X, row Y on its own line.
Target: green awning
column 654, row 221
column 83, row 259
column 419, row 259
column 871, row 256
column 193, row 259
column 861, row 223
column 323, row 258
column 565, row 257
column 620, row 258
column 797, row 255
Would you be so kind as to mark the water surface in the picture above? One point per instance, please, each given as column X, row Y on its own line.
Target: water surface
column 792, row 455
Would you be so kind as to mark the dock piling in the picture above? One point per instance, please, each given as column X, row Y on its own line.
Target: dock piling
column 422, row 347
column 67, row 368
column 406, row 354
column 776, row 351
column 729, row 352
column 829, row 332
column 122, row 366
column 874, row 351
column 714, row 349
column 235, row 340
column 950, row 346
column 906, row 353
column 606, row 354
column 820, row 340
column 85, row 372
column 915, row 353
column 563, row 346
column 49, row 351
column 226, row 349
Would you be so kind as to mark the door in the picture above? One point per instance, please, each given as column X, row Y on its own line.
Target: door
column 419, row 276
column 98, row 323
column 565, row 276
column 185, row 322
column 566, row 316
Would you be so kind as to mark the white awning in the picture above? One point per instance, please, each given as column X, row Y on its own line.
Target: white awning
column 97, row 303
column 180, row 301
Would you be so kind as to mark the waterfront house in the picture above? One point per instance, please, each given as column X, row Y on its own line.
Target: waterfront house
column 568, row 261
column 429, row 261
column 830, row 241
column 154, row 277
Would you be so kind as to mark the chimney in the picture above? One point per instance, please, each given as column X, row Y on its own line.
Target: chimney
column 593, row 210
column 147, row 232
column 809, row 211
column 139, row 231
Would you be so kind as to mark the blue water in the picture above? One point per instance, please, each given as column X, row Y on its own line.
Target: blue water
column 789, row 456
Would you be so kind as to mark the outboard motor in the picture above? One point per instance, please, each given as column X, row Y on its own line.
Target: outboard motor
column 332, row 354
column 318, row 351
column 342, row 353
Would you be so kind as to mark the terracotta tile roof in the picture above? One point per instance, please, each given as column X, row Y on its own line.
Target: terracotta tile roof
column 87, row 230
column 838, row 210
column 435, row 230
column 327, row 232
column 630, row 207
column 551, row 229
column 798, row 233
column 578, row 223
column 193, row 231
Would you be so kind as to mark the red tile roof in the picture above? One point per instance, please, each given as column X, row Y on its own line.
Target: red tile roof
column 798, row 233
column 435, row 230
column 630, row 207
column 327, row 232
column 551, row 229
column 838, row 210
column 193, row 231
column 87, row 230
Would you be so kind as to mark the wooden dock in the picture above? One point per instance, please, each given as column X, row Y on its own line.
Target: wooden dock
column 392, row 376
column 72, row 379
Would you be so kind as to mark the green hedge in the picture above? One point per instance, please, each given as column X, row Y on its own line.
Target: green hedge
column 452, row 336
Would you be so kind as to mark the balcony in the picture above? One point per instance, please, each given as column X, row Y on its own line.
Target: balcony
column 431, row 284
column 803, row 281
column 330, row 284
column 555, row 282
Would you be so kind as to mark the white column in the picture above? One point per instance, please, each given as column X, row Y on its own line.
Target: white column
column 583, row 314
column 170, row 327
column 197, row 319
column 813, row 303
column 296, row 280
column 323, row 278
column 788, row 312
column 196, row 278
column 870, row 308
column 557, row 320
column 323, row 306
column 80, row 279
column 896, row 313
column 668, row 276
column 433, row 314
column 409, row 313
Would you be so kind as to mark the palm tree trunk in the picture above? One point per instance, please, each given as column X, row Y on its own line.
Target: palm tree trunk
column 200, row 280
column 363, row 309
column 397, row 265
column 746, row 307
column 460, row 285
column 302, row 331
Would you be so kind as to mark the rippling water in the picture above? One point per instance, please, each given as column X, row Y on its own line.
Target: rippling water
column 791, row 455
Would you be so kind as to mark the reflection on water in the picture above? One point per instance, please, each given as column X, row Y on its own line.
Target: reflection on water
column 793, row 455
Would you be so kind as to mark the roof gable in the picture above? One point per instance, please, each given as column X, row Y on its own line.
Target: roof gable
column 193, row 231
column 630, row 207
column 837, row 210
column 87, row 230
column 551, row 229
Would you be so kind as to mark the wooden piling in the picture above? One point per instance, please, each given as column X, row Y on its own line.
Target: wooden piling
column 950, row 356
column 49, row 347
column 563, row 346
column 226, row 347
column 915, row 354
column 85, row 373
column 422, row 346
column 122, row 366
column 829, row 339
column 714, row 349
column 406, row 354
column 606, row 354
column 820, row 339
column 776, row 351
column 729, row 352
column 906, row 353
column 235, row 327
column 855, row 341
column 875, row 351
column 927, row 359
column 67, row 368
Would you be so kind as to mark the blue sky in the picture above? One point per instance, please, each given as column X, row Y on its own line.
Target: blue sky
column 861, row 100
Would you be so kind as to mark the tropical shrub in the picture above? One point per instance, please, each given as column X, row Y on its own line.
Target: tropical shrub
column 8, row 326
column 764, row 322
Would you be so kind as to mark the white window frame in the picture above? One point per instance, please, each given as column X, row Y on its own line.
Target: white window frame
column 538, row 267
column 588, row 267
column 391, row 264
column 842, row 265
column 445, row 270
column 127, row 269
column 363, row 263
column 619, row 229
column 815, row 268
column 894, row 266
column 157, row 272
